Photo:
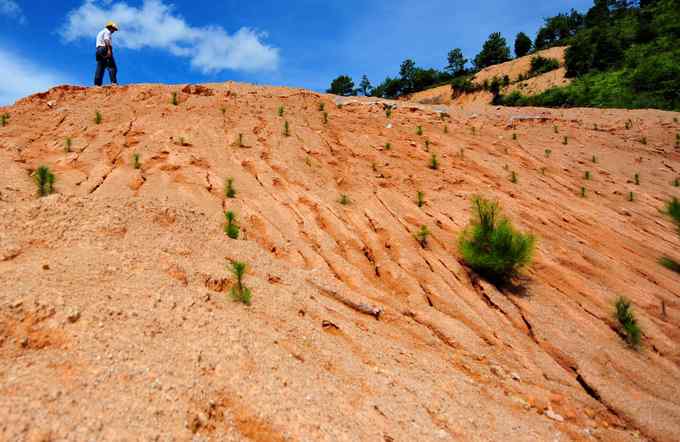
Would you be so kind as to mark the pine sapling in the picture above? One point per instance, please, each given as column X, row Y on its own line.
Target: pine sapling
column 325, row 118
column 135, row 161
column 240, row 140
column 422, row 235
column 419, row 130
column 547, row 153
column 514, row 136
column 556, row 129
column 676, row 182
column 280, row 111
column 594, row 159
column 420, row 198
column 629, row 124
column 427, row 145
column 97, row 117
column 565, row 140
column 637, row 179
column 388, row 112
column 67, row 145
column 513, row 177
column 587, row 175
column 239, row 292
column 229, row 190
column 631, row 196
column 434, row 163
column 44, row 180
column 583, row 192
column 174, row 100
column 626, row 318
column 643, row 140
column 286, row 129
column 344, row 200
column 4, row 119
column 322, row 107
column 388, row 146
column 231, row 229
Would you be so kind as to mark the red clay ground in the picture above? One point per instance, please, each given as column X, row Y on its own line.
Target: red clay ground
column 115, row 318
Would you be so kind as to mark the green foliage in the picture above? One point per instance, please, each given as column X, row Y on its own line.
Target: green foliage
column 558, row 29
column 4, row 119
column 240, row 140
column 670, row 264
column 280, row 111
column 239, row 292
column 421, row 235
column 556, row 129
column 491, row 246
column 513, row 177
column 643, row 141
column 325, row 118
column 565, row 140
column 514, row 136
column 594, row 159
column 636, row 178
column 586, row 175
column 673, row 210
column 419, row 130
column 174, row 100
column 322, row 107
column 629, row 124
column 433, row 163
column 456, row 62
column 343, row 86
column 631, row 197
column 388, row 146
column 44, row 180
column 523, row 45
column 229, row 190
column 286, row 129
column 583, row 192
column 223, row 110
column 231, row 228
column 420, row 198
column 365, row 86
column 494, row 51
column 541, row 65
column 626, row 318
column 135, row 161
column 97, row 117
column 464, row 85
column 68, row 143
column 344, row 200
column 388, row 112
column 676, row 182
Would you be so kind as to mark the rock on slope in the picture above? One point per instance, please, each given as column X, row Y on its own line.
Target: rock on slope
column 115, row 319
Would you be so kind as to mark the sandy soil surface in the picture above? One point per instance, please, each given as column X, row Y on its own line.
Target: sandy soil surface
column 513, row 69
column 115, row 318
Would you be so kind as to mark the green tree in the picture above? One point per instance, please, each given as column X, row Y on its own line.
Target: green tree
column 494, row 51
column 456, row 61
column 522, row 44
column 407, row 72
column 343, row 85
column 365, row 86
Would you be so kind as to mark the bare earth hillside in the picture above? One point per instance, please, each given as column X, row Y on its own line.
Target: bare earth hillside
column 115, row 316
column 513, row 69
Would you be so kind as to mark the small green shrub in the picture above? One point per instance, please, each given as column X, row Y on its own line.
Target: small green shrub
column 419, row 130
column 513, row 177
column 673, row 210
column 433, row 163
column 631, row 196
column 626, row 318
column 547, row 153
column 239, row 292
column 643, row 140
column 421, row 235
column 565, row 140
column 67, row 145
column 556, row 129
column 240, row 140
column 427, row 145
column 583, row 192
column 420, row 198
column 44, row 180
column 286, row 129
column 223, row 110
column 541, row 65
column 677, row 140
column 97, row 117
column 670, row 264
column 231, row 229
column 135, row 161
column 322, row 107
column 594, row 159
column 388, row 146
column 491, row 246
column 676, row 182
column 514, row 136
column 229, row 190
column 637, row 179
column 325, row 118
column 174, row 100
column 586, row 176
column 344, row 200
column 4, row 119
column 629, row 124
column 388, row 112
column 280, row 111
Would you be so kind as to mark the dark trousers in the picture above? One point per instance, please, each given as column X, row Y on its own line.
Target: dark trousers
column 104, row 62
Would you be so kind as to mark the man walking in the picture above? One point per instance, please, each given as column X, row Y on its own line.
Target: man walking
column 105, row 58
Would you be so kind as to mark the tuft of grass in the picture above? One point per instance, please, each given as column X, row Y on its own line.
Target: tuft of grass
column 286, row 129
column 670, row 264
column 322, row 107
column 135, row 161
column 344, row 200
column 229, row 190
column 565, row 140
column 643, row 140
column 44, row 180
column 514, row 136
column 325, row 118
column 280, row 111
column 419, row 130
column 4, row 119
column 583, row 192
column 239, row 292
column 433, row 163
column 631, row 196
column 97, row 117
column 637, row 179
column 231, row 228
column 673, row 210
column 491, row 246
column 174, row 100
column 547, row 153
column 427, row 145
column 420, row 198
column 626, row 318
column 421, row 235
column 586, row 176
column 388, row 112
column 513, row 177
column 68, row 143
column 388, row 146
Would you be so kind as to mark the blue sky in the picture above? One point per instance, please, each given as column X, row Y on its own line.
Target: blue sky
column 302, row 43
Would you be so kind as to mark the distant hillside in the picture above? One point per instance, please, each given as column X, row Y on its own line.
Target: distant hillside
column 513, row 69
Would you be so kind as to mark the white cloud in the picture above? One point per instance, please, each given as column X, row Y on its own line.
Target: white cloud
column 20, row 77
column 155, row 25
column 11, row 9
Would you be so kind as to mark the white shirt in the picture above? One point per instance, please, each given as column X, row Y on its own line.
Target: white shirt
column 103, row 37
